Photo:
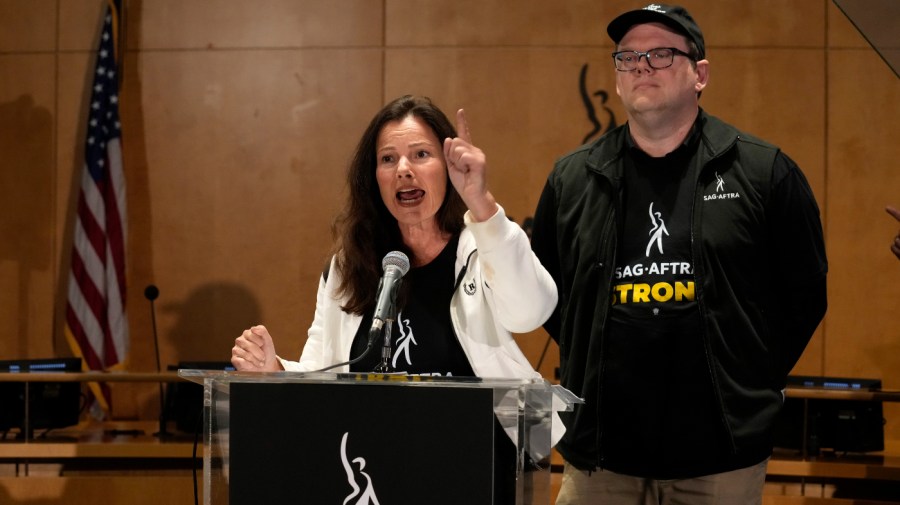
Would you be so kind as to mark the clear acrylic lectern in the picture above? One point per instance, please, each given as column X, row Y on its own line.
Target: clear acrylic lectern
column 342, row 438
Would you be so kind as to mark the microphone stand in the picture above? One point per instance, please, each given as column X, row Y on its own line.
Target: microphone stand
column 391, row 314
column 385, row 365
column 151, row 292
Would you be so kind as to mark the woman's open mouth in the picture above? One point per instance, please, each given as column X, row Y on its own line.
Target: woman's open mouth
column 410, row 196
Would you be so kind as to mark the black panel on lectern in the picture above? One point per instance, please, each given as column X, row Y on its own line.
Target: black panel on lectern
column 332, row 435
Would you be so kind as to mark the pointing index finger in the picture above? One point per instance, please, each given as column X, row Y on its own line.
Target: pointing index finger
column 462, row 126
column 893, row 211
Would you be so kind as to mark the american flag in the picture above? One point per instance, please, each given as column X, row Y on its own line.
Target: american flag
column 96, row 323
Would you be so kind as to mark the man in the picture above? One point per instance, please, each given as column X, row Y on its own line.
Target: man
column 691, row 272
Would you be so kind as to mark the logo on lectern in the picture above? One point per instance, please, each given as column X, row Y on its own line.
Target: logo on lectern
column 363, row 492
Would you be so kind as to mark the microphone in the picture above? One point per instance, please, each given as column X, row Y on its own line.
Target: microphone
column 151, row 293
column 395, row 265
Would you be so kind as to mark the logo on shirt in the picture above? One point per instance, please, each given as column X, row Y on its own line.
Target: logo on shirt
column 659, row 280
column 657, row 230
column 405, row 346
column 363, row 492
column 469, row 287
column 720, row 193
column 404, row 341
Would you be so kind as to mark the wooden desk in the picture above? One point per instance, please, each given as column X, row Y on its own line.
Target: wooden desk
column 829, row 470
column 884, row 395
column 882, row 465
column 110, row 462
column 875, row 466
column 123, row 444
column 27, row 377
column 92, row 440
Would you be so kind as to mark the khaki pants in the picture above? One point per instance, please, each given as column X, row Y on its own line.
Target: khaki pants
column 602, row 487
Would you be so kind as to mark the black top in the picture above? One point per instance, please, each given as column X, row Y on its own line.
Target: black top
column 422, row 338
column 656, row 380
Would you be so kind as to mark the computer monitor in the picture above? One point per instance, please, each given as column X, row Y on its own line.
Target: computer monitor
column 837, row 425
column 50, row 404
column 184, row 400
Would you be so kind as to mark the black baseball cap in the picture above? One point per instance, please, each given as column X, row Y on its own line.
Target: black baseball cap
column 673, row 16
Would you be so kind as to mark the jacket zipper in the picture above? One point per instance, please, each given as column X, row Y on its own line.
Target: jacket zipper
column 697, row 255
column 614, row 232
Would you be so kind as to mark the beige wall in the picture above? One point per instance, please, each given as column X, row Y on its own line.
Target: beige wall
column 239, row 117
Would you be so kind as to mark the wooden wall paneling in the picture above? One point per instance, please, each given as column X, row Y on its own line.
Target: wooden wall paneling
column 27, row 115
column 863, row 177
column 27, row 26
column 841, row 31
column 27, row 192
column 473, row 22
column 245, row 159
column 583, row 22
column 218, row 24
column 79, row 24
column 760, row 24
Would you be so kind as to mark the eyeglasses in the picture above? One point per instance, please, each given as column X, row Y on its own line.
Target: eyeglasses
column 661, row 57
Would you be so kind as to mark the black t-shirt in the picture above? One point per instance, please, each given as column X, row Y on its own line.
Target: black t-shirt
column 658, row 408
column 423, row 340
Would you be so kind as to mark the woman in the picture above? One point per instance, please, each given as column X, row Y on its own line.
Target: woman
column 473, row 281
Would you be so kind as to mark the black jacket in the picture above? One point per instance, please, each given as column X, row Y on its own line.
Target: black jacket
column 759, row 266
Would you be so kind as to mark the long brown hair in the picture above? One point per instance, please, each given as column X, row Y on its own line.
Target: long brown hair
column 365, row 230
